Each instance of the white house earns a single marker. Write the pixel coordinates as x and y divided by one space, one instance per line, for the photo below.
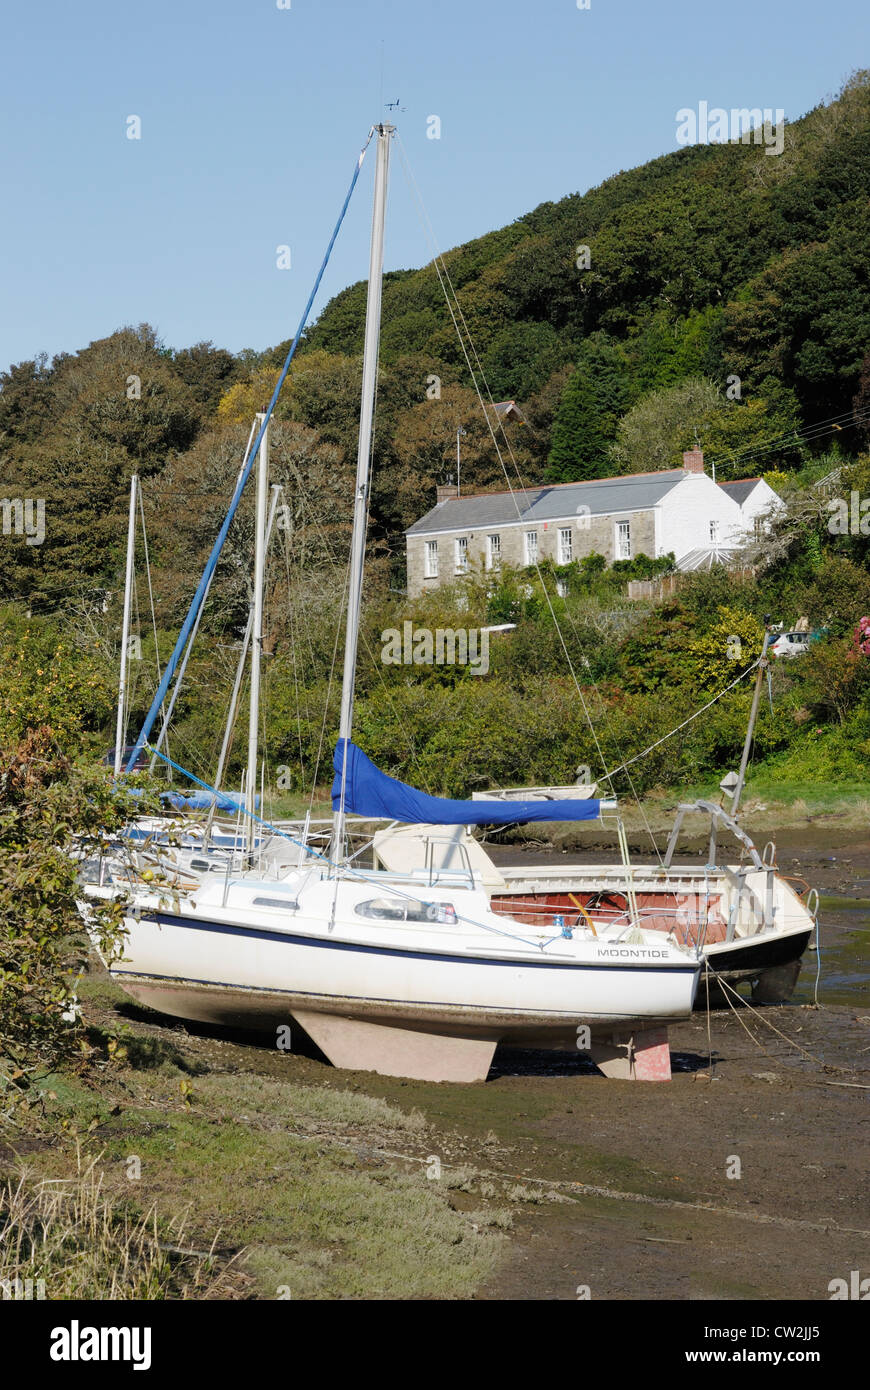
755 498
679 509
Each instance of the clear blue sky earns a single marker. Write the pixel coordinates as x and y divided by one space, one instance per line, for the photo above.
252 117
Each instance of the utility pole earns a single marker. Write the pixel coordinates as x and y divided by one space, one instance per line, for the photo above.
460 431
763 664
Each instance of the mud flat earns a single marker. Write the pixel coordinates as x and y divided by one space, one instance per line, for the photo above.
652 1211
744 1177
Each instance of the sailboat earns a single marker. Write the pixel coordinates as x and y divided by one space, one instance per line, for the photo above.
414 971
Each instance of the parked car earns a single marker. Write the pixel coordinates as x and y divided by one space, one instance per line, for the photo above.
796 643
791 644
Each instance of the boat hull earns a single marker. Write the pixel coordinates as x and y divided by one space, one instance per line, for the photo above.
696 909
422 1004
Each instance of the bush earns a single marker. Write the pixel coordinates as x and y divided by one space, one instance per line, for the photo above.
45 803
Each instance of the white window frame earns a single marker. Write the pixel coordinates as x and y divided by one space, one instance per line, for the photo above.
715 531
430 560
493 551
622 540
460 547
531 547
565 549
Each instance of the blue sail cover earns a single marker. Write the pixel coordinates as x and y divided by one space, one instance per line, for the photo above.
370 792
203 801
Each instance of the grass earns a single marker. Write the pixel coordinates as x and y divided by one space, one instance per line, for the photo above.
69 1239
284 1189
768 804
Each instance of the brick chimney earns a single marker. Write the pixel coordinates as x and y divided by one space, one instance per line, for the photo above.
444 491
693 461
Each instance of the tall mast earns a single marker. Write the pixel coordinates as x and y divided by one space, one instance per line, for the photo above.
257 634
366 422
125 629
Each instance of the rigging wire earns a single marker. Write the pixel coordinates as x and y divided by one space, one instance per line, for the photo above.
443 274
817 430
198 598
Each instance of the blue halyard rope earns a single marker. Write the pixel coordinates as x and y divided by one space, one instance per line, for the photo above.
240 485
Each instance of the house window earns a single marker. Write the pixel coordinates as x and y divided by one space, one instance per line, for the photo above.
566 546
531 547
714 532
623 540
430 560
493 552
461 554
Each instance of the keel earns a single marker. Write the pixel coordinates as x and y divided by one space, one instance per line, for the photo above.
640 1056
356 1045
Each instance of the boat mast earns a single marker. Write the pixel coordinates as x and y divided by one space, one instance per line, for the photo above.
366 421
257 635
125 628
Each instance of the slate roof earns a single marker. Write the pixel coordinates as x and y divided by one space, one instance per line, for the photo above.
602 496
740 489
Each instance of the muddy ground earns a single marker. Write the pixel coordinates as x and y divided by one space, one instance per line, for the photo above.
745 1176
790 1105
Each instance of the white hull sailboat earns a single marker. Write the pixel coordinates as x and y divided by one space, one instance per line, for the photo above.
415 973
384 980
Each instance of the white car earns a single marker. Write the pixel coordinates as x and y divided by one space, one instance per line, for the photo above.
791 644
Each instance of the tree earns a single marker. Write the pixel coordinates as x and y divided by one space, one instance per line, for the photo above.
585 426
655 431
25 401
208 372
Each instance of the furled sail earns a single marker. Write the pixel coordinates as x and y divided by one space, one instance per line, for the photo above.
203 801
370 792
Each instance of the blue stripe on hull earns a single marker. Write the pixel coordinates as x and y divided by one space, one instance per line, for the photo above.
166 919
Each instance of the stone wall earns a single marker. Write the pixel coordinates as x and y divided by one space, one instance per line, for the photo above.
594 533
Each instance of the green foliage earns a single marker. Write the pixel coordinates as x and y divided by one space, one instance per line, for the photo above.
592 403
45 804
654 433
726 649
47 681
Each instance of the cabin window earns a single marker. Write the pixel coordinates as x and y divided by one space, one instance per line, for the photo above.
430 560
566 545
531 547
461 554
493 552
623 540
405 910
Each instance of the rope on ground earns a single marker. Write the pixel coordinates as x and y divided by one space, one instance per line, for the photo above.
728 989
